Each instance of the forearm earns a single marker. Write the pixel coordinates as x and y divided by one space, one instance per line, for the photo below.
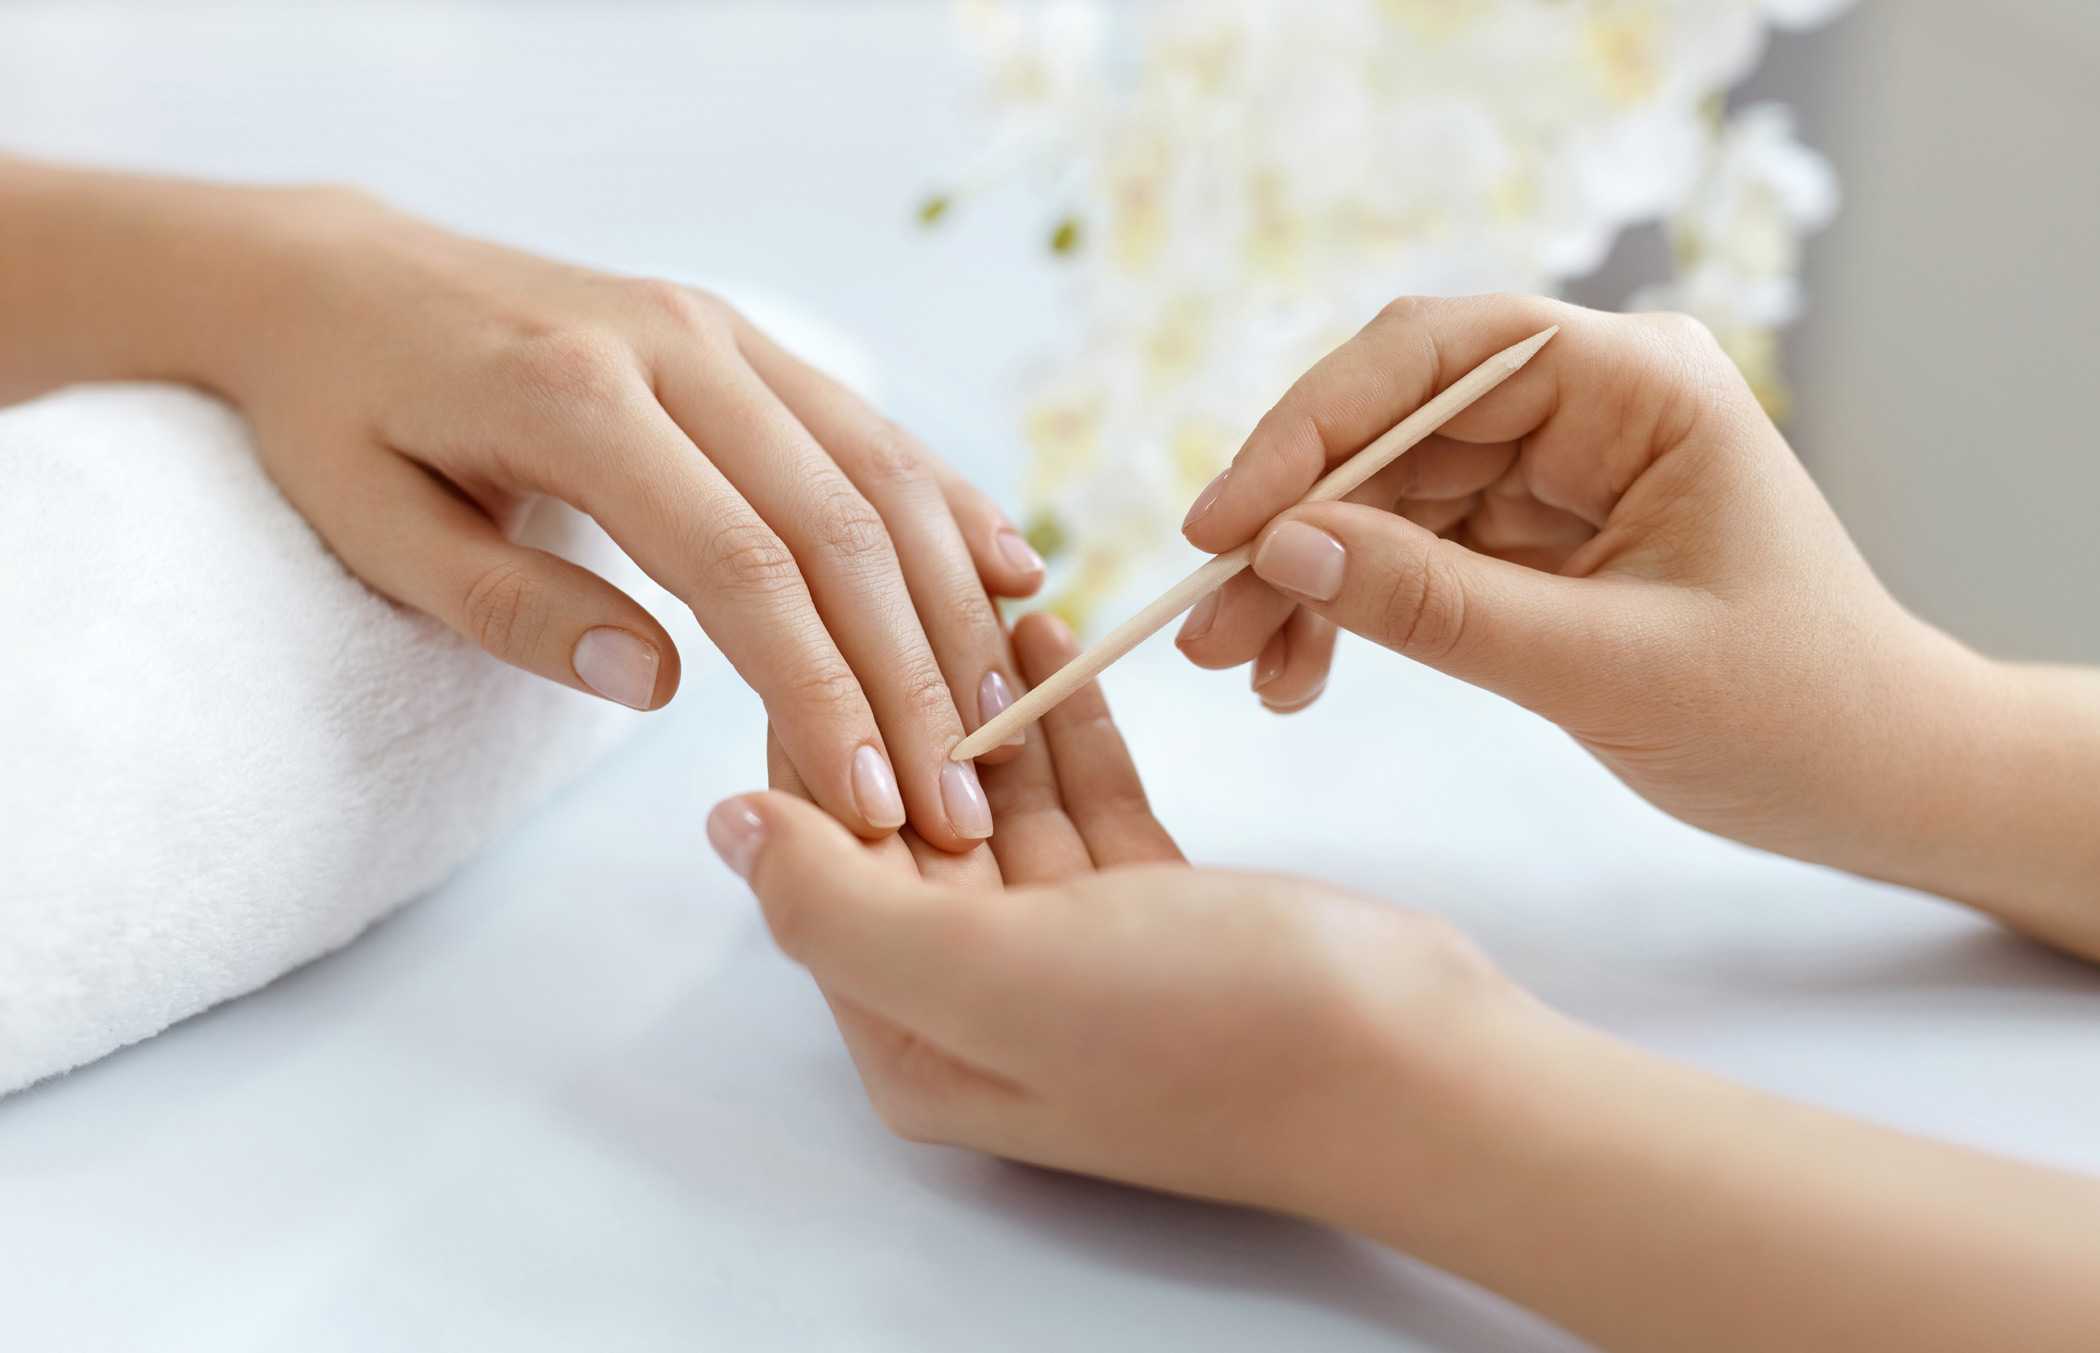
114 277
1647 1206
1991 796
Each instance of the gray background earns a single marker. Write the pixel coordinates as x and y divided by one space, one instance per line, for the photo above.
1946 372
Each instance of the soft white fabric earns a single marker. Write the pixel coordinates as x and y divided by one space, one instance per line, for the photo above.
221 755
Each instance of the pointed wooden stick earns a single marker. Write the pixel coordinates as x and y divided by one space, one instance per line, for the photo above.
1339 482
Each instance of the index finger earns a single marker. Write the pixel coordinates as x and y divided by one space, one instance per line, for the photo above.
1356 393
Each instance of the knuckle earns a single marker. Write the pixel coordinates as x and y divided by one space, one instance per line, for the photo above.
746 559
899 1107
505 612
1424 610
690 311
1682 331
848 528
893 456
826 684
569 367
1402 312
925 691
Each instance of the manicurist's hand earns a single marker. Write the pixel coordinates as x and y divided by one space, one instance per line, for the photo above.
1620 540
414 390
1072 995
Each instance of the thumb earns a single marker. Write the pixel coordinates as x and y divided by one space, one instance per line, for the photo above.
1559 646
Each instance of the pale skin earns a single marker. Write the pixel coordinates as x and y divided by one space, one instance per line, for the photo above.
1615 540
413 392
1662 579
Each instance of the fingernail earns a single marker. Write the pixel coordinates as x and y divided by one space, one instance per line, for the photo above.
1300 703
1302 559
1206 500
1199 622
1018 554
736 833
963 797
992 698
875 789
1270 664
617 665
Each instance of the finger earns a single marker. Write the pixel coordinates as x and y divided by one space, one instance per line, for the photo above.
1439 516
1095 776
1292 672
415 539
869 935
1234 624
612 450
1440 468
901 480
1556 645
1036 841
1356 393
1510 521
842 549
1006 561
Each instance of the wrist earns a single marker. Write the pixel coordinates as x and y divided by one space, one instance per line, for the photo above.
109 276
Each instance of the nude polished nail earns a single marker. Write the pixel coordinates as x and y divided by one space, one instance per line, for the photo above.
736 833
1302 559
617 665
1206 500
992 699
1200 620
968 811
875 789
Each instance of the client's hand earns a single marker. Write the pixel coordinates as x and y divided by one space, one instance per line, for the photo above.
417 389
413 390
1074 996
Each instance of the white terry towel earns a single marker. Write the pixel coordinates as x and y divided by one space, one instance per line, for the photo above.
221 755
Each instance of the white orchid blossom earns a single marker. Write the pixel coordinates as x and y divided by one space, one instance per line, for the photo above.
1240 183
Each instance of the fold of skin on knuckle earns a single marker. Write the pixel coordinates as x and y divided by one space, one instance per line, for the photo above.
570 373
690 313
506 612
925 694
849 532
890 458
1422 607
746 561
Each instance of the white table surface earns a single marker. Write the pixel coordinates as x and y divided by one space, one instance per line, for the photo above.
575 1100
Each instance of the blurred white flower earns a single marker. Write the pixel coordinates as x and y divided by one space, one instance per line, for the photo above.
1241 183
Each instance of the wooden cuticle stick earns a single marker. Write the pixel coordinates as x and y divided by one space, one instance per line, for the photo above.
1339 482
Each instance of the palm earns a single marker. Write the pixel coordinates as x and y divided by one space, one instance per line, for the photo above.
1071 803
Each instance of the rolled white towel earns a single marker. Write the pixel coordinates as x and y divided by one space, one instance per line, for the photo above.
221 755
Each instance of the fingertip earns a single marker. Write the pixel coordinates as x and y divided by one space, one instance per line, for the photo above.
737 831
1020 570
1044 643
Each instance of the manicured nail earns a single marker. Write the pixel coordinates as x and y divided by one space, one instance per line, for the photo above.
1199 622
1270 664
875 789
1019 556
1302 559
617 665
736 833
1206 500
1295 705
992 698
963 797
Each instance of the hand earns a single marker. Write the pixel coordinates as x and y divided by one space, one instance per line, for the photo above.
1617 539
413 391
1073 996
